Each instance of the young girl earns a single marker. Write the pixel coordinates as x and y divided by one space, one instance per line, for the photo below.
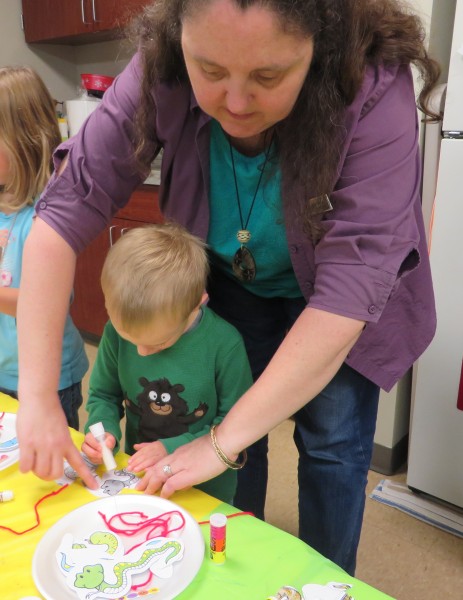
28 135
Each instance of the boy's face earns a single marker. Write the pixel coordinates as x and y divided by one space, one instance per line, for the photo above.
157 335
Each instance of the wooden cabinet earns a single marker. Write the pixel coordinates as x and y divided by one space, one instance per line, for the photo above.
77 21
88 308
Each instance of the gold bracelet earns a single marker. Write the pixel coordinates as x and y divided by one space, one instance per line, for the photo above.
231 464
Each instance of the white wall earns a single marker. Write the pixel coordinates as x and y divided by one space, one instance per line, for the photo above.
438 16
55 64
104 58
59 65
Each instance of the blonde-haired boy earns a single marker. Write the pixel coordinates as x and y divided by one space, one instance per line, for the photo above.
173 364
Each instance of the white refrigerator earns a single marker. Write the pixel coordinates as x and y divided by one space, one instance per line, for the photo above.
436 439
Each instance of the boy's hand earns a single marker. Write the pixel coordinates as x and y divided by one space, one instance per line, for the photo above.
146 456
91 447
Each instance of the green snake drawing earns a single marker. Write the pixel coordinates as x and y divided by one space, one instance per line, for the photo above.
92 576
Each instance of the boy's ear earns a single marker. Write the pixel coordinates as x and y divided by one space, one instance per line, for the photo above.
204 298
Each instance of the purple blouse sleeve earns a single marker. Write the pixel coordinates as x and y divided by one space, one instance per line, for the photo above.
101 172
372 235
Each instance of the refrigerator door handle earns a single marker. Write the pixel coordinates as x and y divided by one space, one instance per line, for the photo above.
460 390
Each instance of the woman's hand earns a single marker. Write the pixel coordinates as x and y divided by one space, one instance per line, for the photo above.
92 449
44 440
190 464
146 456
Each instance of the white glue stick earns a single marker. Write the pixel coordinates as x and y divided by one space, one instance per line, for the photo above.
99 434
6 496
218 529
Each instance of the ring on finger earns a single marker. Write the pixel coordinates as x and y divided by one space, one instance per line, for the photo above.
167 470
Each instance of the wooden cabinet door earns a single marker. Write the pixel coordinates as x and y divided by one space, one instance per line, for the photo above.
88 309
54 19
77 21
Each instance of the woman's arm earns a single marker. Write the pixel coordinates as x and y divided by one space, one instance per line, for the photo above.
305 363
8 300
46 283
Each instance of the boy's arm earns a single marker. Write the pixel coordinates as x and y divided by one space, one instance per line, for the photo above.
233 379
105 400
9 300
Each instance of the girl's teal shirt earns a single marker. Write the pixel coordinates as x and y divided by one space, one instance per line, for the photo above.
14 229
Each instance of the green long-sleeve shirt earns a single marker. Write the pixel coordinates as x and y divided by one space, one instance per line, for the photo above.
174 395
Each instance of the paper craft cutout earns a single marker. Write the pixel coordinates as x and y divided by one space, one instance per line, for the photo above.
9 447
70 474
98 567
8 439
109 484
330 591
112 482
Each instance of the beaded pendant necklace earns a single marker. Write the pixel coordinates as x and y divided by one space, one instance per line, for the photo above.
243 263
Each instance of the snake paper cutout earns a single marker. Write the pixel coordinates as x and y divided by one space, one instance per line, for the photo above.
100 569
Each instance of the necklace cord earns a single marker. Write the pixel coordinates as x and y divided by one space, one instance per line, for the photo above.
267 154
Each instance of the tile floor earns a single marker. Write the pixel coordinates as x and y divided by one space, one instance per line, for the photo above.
399 555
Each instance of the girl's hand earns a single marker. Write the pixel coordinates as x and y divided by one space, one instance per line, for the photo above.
146 455
45 442
92 449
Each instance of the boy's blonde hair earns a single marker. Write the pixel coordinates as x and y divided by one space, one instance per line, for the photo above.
29 133
154 271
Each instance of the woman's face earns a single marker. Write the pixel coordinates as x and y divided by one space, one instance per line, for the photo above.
246 72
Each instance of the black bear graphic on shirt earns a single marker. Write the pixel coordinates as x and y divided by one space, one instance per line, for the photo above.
163 412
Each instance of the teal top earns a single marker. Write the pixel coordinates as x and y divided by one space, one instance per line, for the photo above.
175 395
14 229
268 244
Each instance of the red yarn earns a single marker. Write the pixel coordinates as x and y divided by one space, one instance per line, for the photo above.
36 510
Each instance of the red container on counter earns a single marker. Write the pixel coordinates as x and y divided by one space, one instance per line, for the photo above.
96 84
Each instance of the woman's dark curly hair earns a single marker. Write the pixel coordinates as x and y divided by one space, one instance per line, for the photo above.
347 34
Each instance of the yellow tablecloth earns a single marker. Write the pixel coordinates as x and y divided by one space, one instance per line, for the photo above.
260 557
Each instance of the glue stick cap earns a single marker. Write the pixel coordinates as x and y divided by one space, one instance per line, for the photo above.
98 430
7 495
218 520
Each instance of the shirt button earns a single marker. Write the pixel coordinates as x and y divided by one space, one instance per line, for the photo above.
43 204
372 309
293 249
309 284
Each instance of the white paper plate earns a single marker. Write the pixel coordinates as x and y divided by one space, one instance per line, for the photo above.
8 443
85 519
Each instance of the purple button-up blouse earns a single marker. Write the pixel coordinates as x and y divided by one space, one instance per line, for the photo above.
371 263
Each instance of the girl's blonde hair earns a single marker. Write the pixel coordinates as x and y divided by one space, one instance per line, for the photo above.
29 133
152 272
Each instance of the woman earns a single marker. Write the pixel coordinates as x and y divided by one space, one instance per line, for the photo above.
289 132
